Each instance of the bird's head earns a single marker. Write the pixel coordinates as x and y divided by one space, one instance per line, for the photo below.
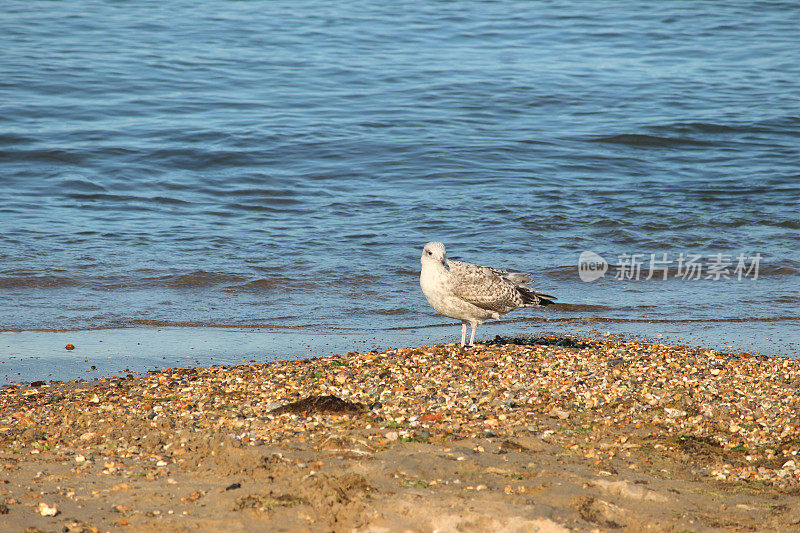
434 252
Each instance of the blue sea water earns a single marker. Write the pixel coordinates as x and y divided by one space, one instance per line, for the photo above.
256 179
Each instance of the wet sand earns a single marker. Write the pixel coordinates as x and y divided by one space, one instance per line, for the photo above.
552 434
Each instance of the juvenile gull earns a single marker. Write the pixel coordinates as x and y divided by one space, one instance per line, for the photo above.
473 293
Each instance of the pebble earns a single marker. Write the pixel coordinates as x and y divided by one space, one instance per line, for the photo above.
47 510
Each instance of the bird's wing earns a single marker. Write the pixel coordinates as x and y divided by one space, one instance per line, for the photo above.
483 287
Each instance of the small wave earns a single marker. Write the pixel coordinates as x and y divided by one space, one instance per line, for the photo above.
100 196
262 208
772 125
347 278
43 156
166 200
281 283
272 196
108 197
735 223
406 272
36 282
200 278
198 159
635 139
398 311
784 300
81 185
15 139
701 127
564 272
786 268
261 284
788 224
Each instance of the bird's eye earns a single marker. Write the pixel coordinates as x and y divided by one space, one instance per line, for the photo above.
429 252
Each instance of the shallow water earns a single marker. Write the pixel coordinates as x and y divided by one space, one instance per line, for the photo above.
275 166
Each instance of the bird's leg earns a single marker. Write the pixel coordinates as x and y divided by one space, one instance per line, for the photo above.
472 336
463 333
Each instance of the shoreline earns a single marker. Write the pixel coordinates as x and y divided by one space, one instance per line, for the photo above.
40 355
564 434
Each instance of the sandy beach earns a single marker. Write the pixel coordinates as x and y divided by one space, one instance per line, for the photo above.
548 434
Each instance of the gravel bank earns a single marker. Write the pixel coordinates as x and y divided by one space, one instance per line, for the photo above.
546 434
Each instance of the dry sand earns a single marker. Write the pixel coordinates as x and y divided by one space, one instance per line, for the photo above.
544 435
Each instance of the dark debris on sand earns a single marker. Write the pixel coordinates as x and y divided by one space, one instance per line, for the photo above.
564 342
326 404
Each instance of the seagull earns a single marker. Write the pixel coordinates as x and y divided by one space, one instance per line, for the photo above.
473 293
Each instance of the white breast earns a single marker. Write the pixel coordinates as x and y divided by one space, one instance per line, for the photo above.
434 280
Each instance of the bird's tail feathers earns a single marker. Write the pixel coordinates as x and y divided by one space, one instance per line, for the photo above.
531 298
